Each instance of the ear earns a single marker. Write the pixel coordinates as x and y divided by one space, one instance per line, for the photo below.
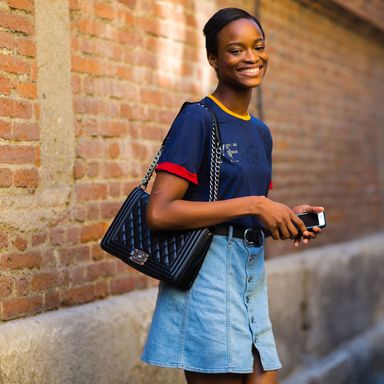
212 59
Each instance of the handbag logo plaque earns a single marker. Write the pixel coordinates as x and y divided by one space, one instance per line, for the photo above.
138 256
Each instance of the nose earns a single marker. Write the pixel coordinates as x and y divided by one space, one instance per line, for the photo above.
251 56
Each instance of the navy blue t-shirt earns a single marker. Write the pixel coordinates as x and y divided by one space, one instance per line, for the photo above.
245 160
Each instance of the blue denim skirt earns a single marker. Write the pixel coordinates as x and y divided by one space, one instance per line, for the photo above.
214 326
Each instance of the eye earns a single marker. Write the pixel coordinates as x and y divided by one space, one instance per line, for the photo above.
235 51
260 48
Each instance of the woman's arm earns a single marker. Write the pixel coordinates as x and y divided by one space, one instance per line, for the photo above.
167 210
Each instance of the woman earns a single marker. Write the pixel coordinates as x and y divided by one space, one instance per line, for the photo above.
219 330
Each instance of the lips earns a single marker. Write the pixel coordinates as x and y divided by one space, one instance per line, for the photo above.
250 71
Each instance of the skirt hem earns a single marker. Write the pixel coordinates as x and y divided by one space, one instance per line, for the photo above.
205 370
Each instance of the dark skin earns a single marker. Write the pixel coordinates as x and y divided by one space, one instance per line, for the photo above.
240 63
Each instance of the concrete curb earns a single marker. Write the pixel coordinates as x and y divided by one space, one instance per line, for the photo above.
324 297
92 343
351 363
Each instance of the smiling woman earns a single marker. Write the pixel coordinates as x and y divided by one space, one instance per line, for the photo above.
241 58
219 330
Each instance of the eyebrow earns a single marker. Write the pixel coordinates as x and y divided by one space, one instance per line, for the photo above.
240 43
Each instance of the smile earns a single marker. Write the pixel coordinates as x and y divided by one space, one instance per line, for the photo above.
250 71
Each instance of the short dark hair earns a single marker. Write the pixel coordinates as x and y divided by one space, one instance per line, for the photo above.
219 20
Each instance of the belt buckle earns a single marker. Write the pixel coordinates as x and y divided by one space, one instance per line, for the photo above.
260 239
249 242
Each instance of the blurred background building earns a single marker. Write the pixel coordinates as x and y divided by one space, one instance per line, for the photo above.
88 89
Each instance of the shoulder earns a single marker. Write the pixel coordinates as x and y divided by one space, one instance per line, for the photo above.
193 122
195 112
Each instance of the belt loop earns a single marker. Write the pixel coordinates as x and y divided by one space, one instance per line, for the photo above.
230 234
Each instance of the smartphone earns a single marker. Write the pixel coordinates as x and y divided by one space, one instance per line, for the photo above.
311 220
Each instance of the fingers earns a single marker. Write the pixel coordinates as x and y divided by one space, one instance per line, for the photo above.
311 209
301 239
287 229
304 208
275 234
299 224
307 236
283 223
284 232
293 229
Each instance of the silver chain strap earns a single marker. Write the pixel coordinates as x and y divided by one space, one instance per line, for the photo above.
151 168
214 171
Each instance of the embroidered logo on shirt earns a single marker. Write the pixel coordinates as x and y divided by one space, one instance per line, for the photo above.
235 152
231 150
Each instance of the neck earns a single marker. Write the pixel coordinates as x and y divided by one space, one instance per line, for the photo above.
237 100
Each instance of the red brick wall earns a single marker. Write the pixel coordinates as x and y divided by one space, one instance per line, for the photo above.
323 82
133 63
370 10
19 150
19 111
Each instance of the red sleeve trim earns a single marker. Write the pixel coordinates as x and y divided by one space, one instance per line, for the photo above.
271 185
177 170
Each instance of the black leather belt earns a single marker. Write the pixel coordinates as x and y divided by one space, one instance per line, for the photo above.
250 236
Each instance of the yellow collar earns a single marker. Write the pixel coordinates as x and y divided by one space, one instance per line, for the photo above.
225 109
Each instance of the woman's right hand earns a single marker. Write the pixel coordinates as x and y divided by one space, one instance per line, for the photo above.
279 219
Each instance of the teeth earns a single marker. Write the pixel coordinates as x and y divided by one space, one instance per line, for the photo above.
250 70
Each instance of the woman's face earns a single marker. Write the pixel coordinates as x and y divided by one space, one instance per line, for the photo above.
241 59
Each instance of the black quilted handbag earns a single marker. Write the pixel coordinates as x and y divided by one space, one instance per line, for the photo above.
174 257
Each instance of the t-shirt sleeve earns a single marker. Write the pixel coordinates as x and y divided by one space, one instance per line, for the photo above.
188 139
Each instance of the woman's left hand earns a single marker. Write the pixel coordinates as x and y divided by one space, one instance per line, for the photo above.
307 235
